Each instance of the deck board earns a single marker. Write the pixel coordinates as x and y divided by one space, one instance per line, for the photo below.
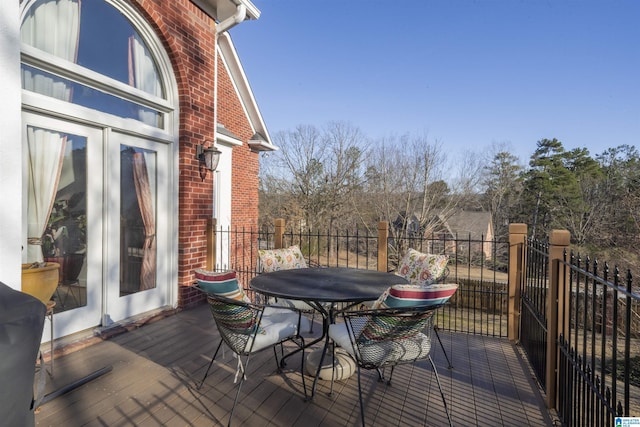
157 367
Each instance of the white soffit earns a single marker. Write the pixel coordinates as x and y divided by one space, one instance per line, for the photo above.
223 9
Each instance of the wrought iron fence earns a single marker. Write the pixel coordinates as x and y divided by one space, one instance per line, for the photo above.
478 265
580 329
533 321
579 325
599 344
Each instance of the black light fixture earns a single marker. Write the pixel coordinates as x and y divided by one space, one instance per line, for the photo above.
208 158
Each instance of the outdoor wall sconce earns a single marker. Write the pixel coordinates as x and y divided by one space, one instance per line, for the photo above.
208 159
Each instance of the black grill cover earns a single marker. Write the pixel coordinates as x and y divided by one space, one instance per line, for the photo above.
21 324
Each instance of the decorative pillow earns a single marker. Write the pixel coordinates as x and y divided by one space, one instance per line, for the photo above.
220 283
281 259
399 296
422 268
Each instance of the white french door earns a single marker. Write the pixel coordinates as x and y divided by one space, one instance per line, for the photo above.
137 260
110 223
73 235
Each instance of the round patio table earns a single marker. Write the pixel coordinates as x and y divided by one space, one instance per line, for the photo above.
322 288
325 284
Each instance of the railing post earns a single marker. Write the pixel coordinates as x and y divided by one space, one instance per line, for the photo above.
278 237
558 243
517 239
211 243
383 236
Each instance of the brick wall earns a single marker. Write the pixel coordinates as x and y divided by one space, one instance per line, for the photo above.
188 35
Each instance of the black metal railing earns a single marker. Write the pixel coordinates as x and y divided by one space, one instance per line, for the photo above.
533 322
599 343
477 265
579 325
580 329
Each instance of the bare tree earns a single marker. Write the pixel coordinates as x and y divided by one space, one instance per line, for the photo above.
319 170
405 185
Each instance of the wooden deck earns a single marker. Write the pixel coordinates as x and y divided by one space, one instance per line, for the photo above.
153 372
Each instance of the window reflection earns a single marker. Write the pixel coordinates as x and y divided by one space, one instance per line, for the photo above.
65 237
39 81
95 35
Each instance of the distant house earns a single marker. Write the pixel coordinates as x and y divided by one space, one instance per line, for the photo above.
474 227
464 232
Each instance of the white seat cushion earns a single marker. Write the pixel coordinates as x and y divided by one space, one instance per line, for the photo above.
291 303
277 324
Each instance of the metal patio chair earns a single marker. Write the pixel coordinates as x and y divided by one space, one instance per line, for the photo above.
248 328
382 338
422 268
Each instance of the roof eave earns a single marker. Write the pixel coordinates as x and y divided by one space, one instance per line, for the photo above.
223 9
232 62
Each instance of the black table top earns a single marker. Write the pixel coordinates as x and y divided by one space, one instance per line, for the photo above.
331 284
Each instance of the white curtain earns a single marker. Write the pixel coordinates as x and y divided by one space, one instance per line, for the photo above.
52 26
143 75
45 157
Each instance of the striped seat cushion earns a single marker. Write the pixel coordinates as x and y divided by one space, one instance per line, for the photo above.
399 296
220 283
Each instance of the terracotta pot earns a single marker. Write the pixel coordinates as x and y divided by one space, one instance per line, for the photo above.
70 266
40 282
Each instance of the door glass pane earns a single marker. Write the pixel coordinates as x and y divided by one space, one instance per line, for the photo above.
65 238
137 219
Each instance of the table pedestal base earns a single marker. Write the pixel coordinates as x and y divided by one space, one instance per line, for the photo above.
343 368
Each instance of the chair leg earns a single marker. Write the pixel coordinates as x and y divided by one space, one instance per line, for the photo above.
242 375
281 363
210 364
435 329
391 375
444 401
360 396
304 384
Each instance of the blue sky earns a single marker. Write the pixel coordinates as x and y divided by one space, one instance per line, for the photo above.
467 73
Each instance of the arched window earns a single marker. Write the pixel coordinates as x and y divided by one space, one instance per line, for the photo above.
89 53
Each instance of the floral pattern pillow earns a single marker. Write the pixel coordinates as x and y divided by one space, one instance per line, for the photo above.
281 259
422 268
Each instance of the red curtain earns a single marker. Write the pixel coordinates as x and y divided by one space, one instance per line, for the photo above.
145 202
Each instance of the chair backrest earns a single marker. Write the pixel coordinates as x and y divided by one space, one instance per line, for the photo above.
421 268
394 325
237 321
391 336
281 259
